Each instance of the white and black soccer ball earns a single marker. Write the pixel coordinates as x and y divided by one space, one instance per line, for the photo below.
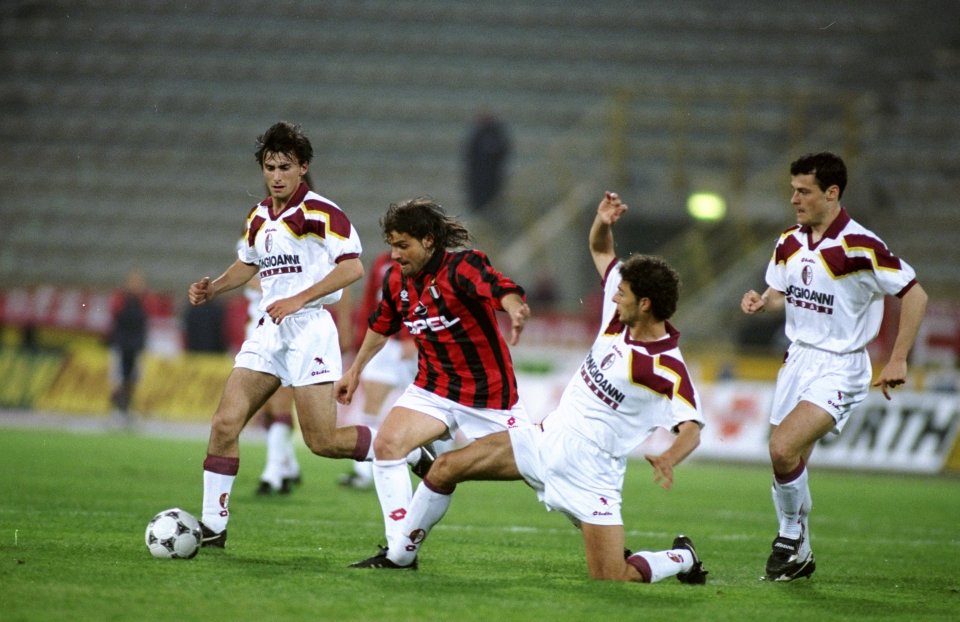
173 534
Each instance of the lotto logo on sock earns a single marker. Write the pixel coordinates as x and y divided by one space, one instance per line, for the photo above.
399 514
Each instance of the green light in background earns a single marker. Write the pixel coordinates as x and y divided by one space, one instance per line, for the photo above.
706 206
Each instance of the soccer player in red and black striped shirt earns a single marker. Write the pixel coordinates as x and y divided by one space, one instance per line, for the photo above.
447 300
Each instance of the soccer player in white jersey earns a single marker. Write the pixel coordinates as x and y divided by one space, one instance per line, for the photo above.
831 275
632 382
305 251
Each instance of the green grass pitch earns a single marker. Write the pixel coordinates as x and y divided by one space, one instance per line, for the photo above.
74 505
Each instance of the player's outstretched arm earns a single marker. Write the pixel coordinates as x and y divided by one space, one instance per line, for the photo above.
206 290
609 211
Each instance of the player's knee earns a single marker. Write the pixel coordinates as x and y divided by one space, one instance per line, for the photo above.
444 472
385 447
224 428
783 456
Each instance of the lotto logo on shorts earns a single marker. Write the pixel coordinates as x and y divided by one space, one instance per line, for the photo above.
322 367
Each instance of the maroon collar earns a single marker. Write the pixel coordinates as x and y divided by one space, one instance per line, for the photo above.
295 199
833 231
660 345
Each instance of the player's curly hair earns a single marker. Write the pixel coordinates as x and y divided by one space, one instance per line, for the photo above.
286 138
652 277
422 217
828 169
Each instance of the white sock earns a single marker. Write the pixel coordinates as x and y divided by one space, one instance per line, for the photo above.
426 510
278 442
665 564
776 503
790 497
395 492
291 466
805 523
216 499
373 436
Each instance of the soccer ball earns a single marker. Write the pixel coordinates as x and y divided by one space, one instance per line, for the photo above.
173 534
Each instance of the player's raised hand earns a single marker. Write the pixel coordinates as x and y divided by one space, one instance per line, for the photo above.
200 291
611 208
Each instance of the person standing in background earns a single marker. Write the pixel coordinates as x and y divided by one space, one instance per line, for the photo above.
128 338
485 152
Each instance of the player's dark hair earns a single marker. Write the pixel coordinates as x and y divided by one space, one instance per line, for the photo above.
422 217
652 277
287 139
828 169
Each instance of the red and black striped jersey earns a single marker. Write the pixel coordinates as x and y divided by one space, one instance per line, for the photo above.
449 308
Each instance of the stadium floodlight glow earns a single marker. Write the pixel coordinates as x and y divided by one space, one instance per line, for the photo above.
706 206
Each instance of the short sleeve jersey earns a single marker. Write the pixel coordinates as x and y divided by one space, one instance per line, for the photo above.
299 247
449 309
626 389
834 288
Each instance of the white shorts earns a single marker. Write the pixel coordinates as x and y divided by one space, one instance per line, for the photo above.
389 366
474 423
570 474
301 350
837 383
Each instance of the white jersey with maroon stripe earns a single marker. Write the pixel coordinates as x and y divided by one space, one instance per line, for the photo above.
834 289
298 248
625 389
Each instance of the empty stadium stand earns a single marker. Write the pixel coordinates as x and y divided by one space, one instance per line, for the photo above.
128 127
